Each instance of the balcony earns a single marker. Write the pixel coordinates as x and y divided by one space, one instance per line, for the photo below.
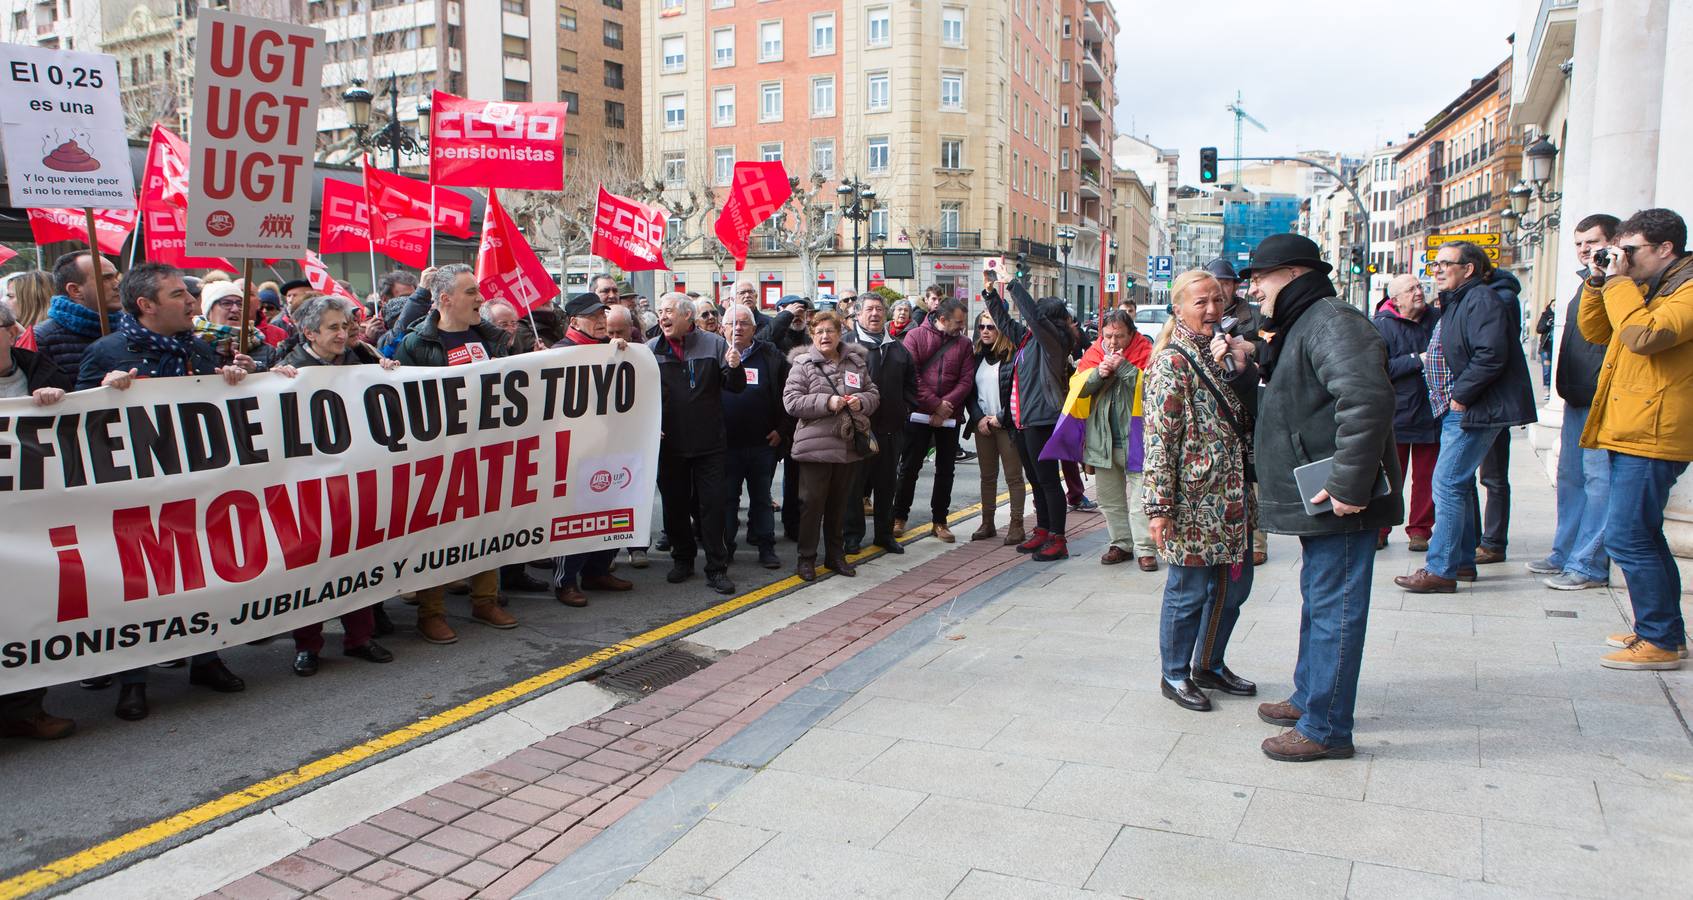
1036 250
1091 110
1091 29
1090 148
1092 69
1463 209
955 240
1090 187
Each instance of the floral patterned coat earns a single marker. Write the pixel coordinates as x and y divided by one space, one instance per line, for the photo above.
1196 464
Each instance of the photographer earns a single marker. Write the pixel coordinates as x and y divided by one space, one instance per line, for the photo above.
1638 302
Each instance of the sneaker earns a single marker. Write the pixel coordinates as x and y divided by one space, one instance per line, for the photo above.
1544 567
1641 655
637 559
1055 548
1569 581
720 583
679 572
1084 505
1623 640
767 558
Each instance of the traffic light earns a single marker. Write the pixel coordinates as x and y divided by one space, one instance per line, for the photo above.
1371 268
1207 165
1022 267
1357 261
1129 281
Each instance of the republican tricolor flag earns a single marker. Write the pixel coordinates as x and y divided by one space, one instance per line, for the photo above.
1069 436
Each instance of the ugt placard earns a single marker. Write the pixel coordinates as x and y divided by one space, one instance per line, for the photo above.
62 121
256 88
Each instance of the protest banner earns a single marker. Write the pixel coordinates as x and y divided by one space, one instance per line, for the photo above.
399 228
256 89
164 230
63 129
628 233
184 515
344 221
757 191
111 226
506 266
496 143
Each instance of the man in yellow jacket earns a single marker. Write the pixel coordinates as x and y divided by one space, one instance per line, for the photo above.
1639 304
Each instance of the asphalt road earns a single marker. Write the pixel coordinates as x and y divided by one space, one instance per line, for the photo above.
113 776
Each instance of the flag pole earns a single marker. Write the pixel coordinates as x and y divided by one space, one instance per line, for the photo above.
432 223
97 265
246 323
135 239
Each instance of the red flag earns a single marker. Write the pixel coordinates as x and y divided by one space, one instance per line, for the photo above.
165 235
345 220
111 226
165 180
628 234
6 255
452 212
759 189
398 228
506 266
317 275
494 143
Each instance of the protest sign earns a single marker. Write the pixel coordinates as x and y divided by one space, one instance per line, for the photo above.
758 190
344 222
495 143
256 89
111 226
628 233
63 129
506 266
185 515
164 229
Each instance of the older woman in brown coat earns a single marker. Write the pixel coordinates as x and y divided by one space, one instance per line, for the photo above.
830 393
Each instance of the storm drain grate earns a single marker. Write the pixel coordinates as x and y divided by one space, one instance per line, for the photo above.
652 671
1560 614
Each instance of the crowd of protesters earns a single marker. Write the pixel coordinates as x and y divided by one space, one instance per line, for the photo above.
1199 443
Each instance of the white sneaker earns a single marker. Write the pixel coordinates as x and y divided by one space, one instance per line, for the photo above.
1569 581
1544 567
637 559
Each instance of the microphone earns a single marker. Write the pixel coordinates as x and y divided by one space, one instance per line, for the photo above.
1228 324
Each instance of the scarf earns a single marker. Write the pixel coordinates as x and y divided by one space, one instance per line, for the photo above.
79 319
216 334
173 350
580 337
1199 346
1069 435
1297 297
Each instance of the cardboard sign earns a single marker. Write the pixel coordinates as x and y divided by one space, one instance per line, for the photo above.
62 124
495 143
628 233
256 88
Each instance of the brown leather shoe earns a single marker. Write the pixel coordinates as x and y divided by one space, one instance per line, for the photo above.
435 630
806 569
1283 713
1416 544
40 727
1014 535
1148 563
943 533
984 532
1114 555
1259 557
1467 576
571 595
493 616
899 528
1423 581
841 567
1291 746
606 583
1486 556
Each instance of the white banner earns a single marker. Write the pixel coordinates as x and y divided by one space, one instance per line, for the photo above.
184 515
63 125
256 89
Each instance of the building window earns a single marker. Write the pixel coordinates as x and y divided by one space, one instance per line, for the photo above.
566 20
876 96
822 34
613 36
571 102
515 91
877 157
723 166
770 41
952 26
613 74
770 152
952 153
613 114
614 4
511 45
675 112
672 7
566 62
1067 27
722 4
823 157
723 47
1063 204
879 224
1063 165
770 102
1063 122
723 106
675 54
823 95
1063 75
952 215
675 168
952 91
879 28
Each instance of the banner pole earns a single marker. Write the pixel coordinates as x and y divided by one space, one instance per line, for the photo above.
97 265
135 240
432 224
373 268
246 322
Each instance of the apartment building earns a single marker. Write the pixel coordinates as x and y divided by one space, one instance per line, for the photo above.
599 78
1087 128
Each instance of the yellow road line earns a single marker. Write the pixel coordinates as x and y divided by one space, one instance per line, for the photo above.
164 829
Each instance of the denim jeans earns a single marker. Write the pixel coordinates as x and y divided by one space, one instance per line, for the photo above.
756 468
1584 484
1634 535
1199 615
1334 580
1456 526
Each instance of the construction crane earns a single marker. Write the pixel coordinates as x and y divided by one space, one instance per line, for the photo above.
1241 115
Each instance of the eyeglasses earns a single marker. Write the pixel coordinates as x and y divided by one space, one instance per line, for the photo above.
1447 263
227 303
1628 249
708 315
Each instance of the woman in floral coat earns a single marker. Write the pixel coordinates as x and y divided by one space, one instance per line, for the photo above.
1198 497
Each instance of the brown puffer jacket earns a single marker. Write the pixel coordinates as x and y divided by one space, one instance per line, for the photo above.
821 435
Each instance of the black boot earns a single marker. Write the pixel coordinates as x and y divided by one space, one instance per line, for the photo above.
384 625
132 702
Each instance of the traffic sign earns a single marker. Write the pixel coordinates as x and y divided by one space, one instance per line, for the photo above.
1480 239
1492 253
1165 268
1111 282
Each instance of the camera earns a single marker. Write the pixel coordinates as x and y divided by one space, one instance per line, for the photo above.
1603 257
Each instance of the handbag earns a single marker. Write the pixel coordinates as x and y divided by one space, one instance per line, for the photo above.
863 442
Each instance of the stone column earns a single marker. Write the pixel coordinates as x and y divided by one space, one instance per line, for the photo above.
1675 191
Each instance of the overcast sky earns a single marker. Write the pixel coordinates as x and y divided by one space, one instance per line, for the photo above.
1322 74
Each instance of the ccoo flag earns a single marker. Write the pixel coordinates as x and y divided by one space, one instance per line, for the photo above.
759 189
505 265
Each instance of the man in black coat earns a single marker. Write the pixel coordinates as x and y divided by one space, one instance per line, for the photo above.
1493 523
895 377
759 428
1327 397
1405 321
1478 382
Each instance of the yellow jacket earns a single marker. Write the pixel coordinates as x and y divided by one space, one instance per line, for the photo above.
1644 402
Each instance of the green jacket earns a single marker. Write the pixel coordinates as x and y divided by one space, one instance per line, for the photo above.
1113 398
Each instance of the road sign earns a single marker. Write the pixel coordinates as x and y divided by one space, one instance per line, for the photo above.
1111 282
1480 239
1492 253
1165 268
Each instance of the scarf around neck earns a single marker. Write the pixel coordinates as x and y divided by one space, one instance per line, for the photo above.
79 319
173 350
1299 295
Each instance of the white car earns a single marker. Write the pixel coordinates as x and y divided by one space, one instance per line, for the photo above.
1149 320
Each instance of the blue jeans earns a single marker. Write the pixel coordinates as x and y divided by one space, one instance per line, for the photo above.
1201 606
755 467
1456 525
1634 535
1584 485
1334 580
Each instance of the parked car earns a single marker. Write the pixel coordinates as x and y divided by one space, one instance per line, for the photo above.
1149 320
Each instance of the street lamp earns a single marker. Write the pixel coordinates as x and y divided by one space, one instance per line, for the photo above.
1067 241
393 136
858 201
1537 161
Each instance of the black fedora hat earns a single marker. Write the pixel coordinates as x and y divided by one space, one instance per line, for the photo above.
1286 250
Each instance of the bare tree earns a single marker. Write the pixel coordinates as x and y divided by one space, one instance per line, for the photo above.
562 222
805 226
147 105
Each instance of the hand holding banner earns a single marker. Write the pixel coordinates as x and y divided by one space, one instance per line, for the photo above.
496 144
506 266
758 191
629 234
